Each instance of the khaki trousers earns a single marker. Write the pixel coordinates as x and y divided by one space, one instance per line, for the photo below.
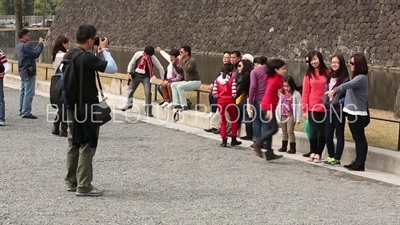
287 124
79 161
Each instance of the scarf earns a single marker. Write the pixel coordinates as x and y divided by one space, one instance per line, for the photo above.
145 63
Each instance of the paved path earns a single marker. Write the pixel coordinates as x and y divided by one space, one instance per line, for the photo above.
154 175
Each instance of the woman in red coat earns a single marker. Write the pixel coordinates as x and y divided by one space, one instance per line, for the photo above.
276 70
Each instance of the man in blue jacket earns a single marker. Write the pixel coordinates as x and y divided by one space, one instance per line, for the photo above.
27 69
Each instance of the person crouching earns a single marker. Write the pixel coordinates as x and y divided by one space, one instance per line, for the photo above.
224 90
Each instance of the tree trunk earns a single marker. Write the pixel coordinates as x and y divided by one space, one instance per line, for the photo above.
18 21
397 104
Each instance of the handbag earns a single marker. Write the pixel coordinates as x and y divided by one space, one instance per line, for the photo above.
101 112
30 70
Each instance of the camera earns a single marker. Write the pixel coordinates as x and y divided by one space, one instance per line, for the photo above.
97 40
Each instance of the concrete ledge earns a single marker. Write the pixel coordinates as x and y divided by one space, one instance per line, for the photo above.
378 159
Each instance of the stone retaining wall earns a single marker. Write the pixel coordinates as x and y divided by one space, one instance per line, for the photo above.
9 35
275 28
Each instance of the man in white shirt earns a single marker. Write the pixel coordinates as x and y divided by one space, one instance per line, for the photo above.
140 70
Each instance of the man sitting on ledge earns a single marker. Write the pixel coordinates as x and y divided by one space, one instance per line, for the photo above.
142 64
191 79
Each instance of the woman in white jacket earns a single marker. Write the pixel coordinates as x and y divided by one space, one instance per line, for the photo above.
288 113
61 47
4 68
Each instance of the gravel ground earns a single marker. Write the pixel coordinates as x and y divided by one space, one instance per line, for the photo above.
185 179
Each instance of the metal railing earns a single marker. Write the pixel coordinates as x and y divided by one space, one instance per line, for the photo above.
198 93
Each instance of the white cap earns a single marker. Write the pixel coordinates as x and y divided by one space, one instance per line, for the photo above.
248 57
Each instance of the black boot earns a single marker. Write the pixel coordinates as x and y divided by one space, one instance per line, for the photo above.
64 128
224 142
148 110
249 133
235 142
270 155
284 146
56 130
292 149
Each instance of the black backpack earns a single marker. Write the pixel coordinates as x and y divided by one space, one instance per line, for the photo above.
63 84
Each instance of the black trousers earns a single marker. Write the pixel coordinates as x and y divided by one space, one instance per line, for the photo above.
61 118
317 126
357 129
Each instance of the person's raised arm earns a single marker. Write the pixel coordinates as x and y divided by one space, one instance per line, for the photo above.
33 52
158 65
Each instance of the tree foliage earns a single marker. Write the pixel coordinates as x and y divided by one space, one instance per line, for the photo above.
46 7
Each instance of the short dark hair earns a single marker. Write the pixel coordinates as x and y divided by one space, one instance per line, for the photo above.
260 60
237 53
174 52
23 32
227 52
84 33
149 50
360 64
187 49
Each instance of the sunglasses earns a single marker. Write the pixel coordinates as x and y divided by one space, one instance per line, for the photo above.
351 63
239 66
306 61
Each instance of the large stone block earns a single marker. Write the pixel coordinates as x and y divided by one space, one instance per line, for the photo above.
215 26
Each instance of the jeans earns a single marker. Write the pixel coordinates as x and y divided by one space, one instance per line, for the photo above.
159 89
213 103
335 123
179 91
2 102
133 85
260 125
272 130
357 129
317 126
27 92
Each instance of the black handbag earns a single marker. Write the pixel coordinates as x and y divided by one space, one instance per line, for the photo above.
101 112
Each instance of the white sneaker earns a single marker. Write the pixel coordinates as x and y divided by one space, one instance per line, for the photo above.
2 123
211 115
170 105
164 104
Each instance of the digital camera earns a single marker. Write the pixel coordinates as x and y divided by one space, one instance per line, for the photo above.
97 40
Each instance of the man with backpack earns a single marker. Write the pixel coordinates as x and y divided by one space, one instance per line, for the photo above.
81 66
140 70
26 55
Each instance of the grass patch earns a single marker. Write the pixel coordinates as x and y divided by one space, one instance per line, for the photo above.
379 133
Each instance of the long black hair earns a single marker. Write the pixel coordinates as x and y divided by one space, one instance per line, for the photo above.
342 72
322 67
247 67
291 82
272 65
58 46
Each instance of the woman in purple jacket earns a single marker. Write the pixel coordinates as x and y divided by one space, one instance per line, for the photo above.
256 93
